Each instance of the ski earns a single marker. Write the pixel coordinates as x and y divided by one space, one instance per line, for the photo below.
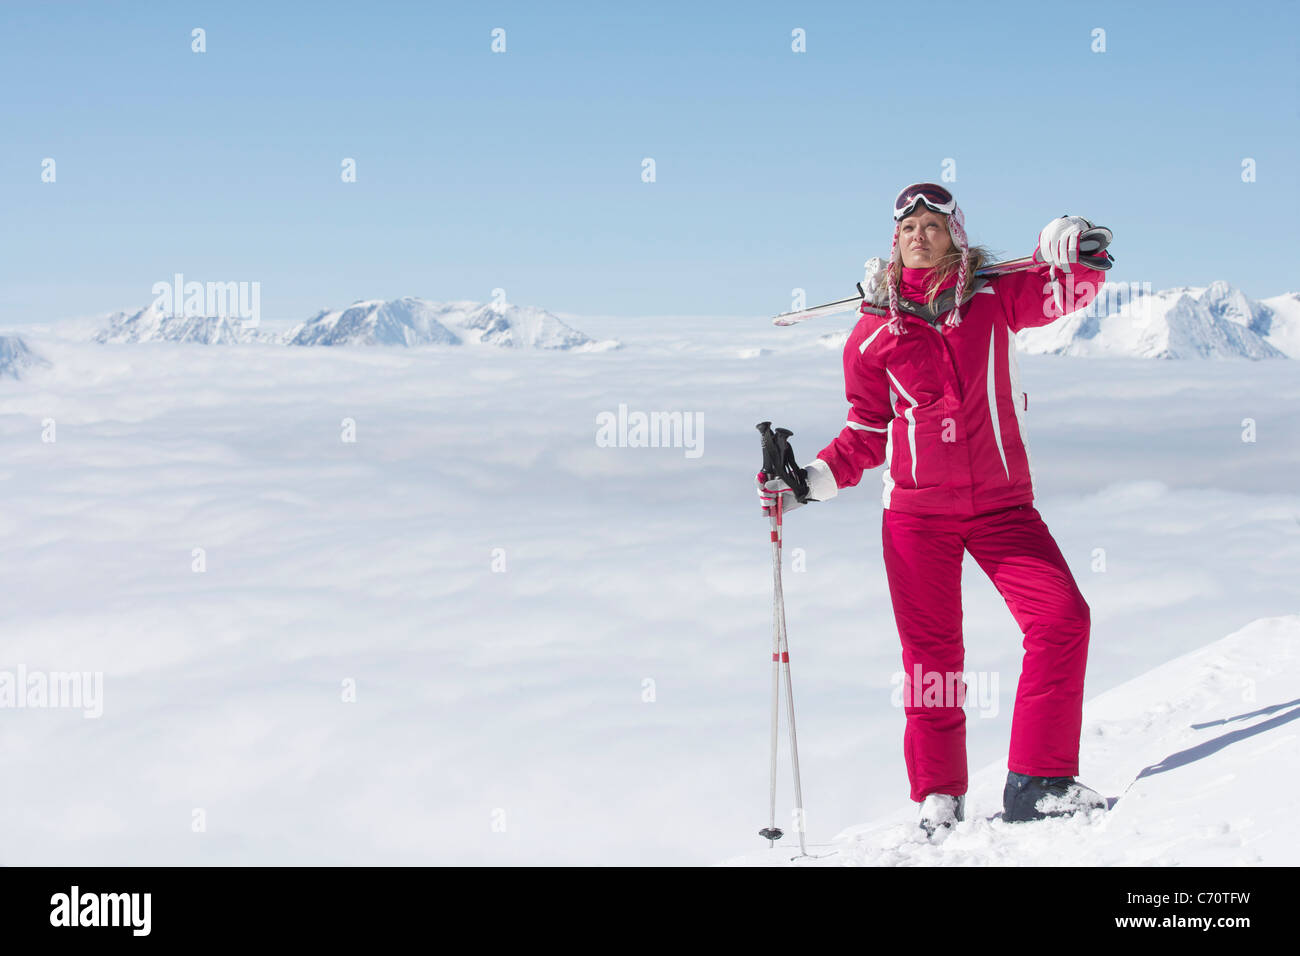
1092 253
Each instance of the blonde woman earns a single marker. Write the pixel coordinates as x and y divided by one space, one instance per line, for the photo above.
934 395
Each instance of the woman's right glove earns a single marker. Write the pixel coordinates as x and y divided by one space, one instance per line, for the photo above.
873 285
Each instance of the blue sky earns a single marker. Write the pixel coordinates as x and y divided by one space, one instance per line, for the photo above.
522 170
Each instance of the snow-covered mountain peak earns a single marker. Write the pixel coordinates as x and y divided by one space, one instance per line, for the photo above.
1228 302
16 357
375 322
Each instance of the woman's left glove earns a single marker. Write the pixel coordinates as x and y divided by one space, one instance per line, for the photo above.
770 489
1058 243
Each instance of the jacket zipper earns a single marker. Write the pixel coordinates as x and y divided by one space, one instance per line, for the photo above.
947 351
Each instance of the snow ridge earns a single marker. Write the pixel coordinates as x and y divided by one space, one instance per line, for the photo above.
151 324
413 321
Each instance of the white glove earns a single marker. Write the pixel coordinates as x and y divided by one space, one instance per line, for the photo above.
773 488
1058 243
874 281
821 487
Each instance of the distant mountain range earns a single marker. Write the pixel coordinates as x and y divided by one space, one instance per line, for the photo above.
395 322
152 325
412 321
1218 321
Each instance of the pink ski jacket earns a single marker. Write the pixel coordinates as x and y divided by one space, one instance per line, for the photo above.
941 407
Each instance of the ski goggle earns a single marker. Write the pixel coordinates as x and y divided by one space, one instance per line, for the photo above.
935 197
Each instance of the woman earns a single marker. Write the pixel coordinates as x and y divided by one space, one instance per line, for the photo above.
934 394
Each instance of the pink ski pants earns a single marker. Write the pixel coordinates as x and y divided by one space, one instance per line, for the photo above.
923 559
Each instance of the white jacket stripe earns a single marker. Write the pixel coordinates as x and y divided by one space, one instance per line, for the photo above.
1017 401
887 474
867 340
911 421
993 400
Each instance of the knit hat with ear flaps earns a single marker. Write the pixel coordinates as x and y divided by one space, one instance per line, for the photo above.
956 229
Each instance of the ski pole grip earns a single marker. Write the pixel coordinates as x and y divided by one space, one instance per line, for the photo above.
778 459
790 469
771 458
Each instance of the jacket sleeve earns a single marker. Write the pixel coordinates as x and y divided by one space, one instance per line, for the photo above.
860 444
1030 299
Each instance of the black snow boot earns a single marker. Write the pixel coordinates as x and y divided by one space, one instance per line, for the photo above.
1035 798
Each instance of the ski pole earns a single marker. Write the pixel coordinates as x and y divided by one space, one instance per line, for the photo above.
773 833
789 690
778 461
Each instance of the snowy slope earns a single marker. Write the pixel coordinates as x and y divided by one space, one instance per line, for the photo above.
1218 321
412 321
1198 758
150 324
16 357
